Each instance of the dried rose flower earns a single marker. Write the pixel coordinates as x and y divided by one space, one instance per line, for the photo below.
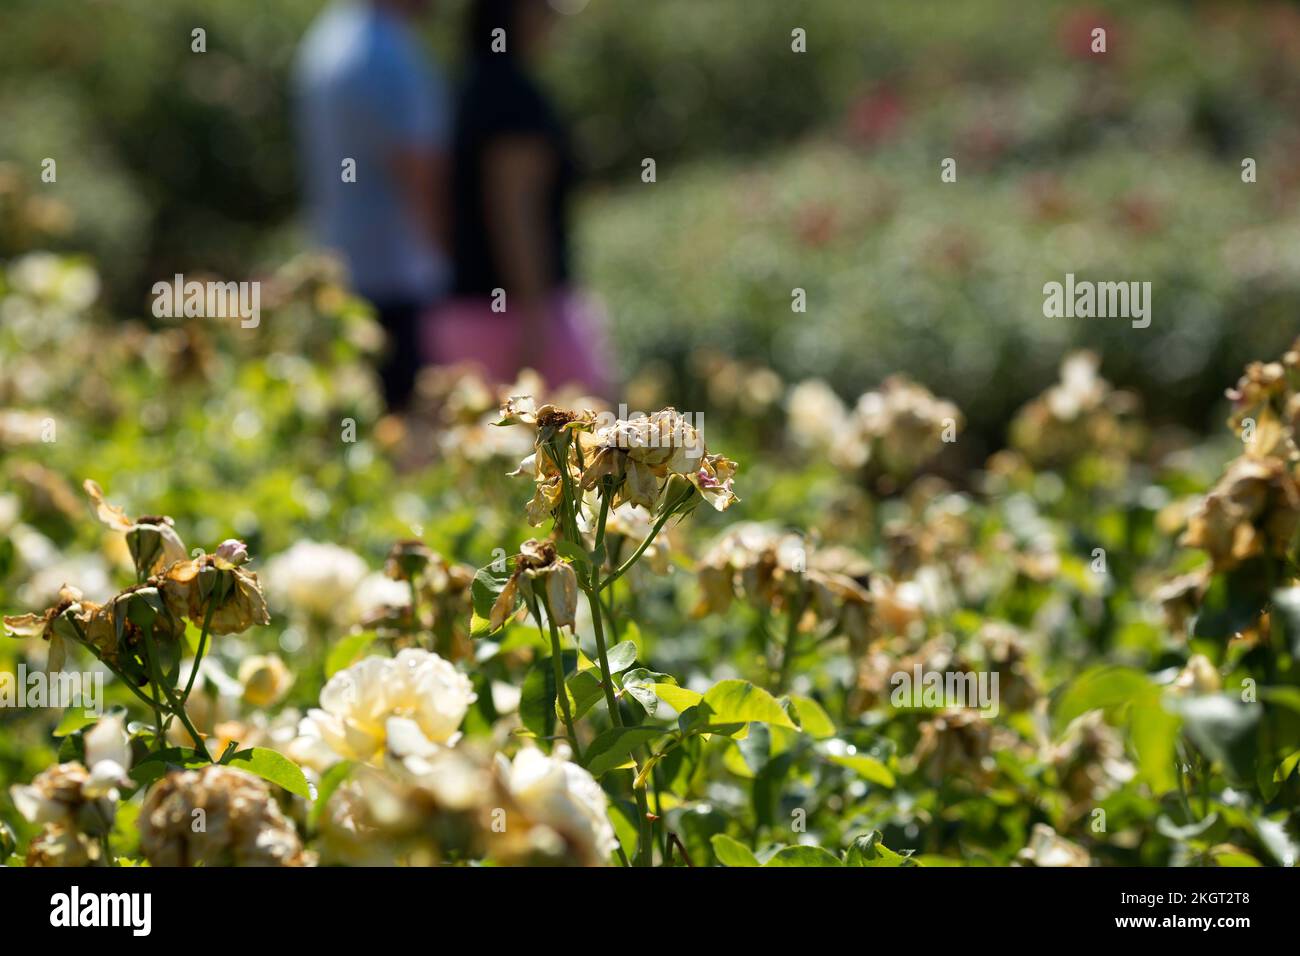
1254 510
210 582
538 561
242 823
152 540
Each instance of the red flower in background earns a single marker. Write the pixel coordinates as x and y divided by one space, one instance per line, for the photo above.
1049 200
1139 214
1075 34
816 223
876 116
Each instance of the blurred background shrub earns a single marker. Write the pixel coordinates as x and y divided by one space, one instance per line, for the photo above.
776 170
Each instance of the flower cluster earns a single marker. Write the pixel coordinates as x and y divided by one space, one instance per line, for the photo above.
893 430
1080 416
632 458
75 803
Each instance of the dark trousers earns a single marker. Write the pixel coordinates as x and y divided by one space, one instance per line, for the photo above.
401 361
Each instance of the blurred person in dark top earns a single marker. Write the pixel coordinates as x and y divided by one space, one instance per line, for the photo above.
514 173
368 97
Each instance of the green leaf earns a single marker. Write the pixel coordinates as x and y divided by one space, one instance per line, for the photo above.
731 852
739 701
621 656
72 748
156 765
679 699
870 850
1288 697
348 651
331 781
1224 730
1286 767
273 766
622 814
866 767
1153 731
74 719
537 701
1099 688
804 856
487 586
640 685
575 554
612 748
813 720
584 691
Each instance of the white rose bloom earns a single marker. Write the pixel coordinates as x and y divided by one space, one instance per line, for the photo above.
559 794
408 706
320 579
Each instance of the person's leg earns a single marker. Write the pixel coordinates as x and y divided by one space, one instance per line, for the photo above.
401 360
466 330
576 349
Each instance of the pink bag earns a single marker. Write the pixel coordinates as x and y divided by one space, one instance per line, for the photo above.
572 350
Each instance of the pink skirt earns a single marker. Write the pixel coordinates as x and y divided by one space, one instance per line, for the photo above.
572 350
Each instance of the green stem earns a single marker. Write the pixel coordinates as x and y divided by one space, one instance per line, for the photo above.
557 663
670 508
558 449
640 550
659 808
645 849
176 708
151 661
198 655
598 547
590 588
415 610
